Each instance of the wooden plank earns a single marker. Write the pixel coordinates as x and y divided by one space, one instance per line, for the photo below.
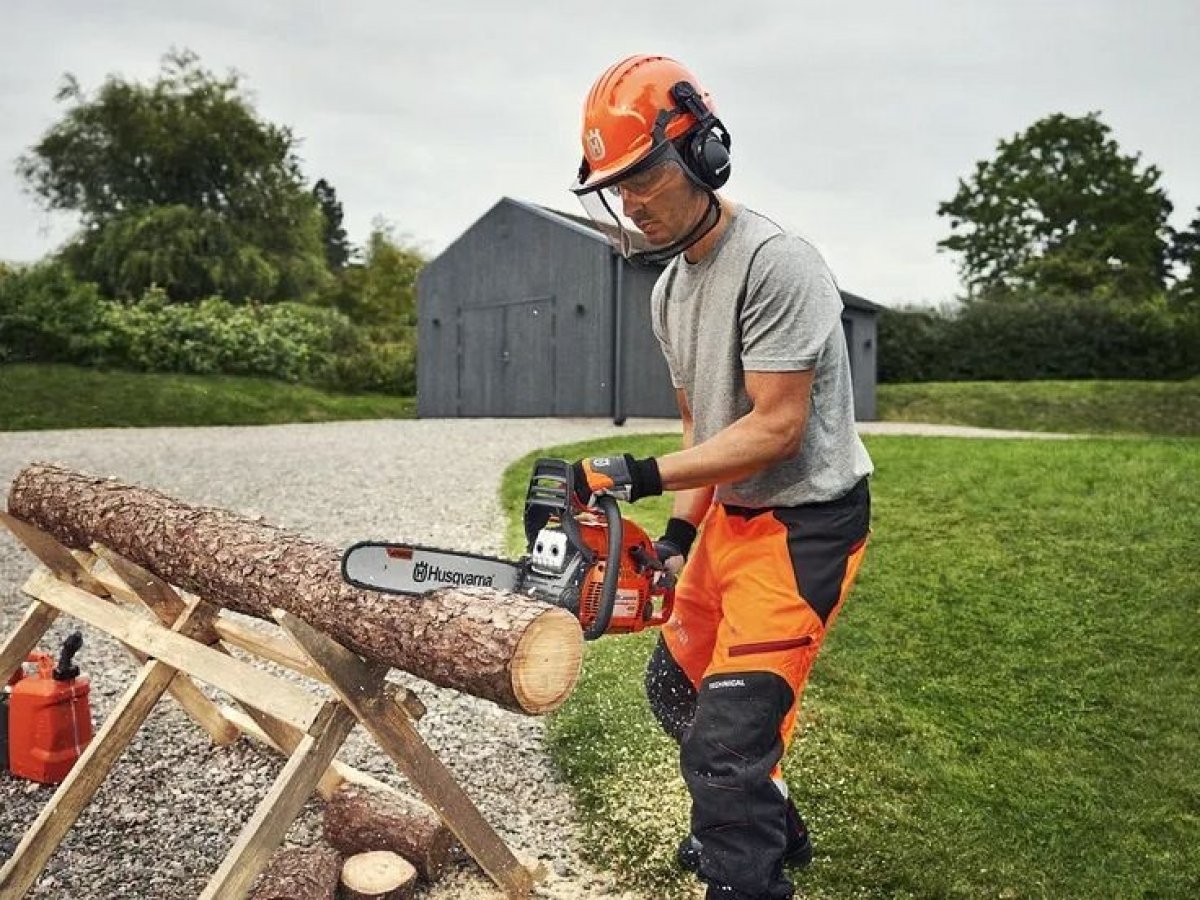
338 773
127 581
396 736
239 679
202 710
266 829
285 741
24 638
147 589
151 590
53 555
90 770
273 647
283 651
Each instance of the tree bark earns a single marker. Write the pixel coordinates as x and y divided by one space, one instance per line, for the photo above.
300 873
378 875
358 821
520 653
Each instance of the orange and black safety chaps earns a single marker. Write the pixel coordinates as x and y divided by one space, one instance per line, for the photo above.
759 593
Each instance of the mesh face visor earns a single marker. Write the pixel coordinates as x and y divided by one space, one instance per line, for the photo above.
630 208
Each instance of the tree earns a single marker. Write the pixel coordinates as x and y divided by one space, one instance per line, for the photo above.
381 291
337 245
187 150
1185 252
1060 209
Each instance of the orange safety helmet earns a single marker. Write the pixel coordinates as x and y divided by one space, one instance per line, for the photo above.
649 113
639 104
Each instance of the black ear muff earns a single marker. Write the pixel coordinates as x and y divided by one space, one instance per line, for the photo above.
706 149
709 157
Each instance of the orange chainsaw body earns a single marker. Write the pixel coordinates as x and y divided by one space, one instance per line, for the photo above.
638 604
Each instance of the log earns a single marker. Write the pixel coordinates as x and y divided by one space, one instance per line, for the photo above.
378 875
520 653
358 820
300 873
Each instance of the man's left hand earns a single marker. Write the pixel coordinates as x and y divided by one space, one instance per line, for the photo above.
621 476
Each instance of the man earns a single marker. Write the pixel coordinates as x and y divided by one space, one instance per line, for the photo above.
772 471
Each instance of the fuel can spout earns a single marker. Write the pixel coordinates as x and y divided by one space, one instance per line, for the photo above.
65 670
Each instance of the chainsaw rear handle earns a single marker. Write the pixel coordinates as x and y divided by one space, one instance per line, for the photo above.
612 568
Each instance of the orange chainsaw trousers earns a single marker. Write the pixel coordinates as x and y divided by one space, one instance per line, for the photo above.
760 591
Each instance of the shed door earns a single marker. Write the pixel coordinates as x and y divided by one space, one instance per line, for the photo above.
507 360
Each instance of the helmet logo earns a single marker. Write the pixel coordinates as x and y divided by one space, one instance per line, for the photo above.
595 144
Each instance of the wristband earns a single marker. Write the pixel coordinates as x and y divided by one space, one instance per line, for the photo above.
644 477
681 534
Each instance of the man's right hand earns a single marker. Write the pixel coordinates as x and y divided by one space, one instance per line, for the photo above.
673 547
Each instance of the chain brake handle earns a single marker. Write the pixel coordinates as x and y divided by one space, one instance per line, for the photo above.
551 494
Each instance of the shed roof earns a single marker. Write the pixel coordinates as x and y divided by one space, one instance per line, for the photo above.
584 225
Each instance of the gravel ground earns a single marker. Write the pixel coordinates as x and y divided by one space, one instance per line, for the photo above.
174 804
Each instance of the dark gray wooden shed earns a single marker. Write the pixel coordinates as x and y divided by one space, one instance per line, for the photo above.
531 313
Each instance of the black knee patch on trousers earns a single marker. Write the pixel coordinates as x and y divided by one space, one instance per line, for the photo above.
670 692
738 814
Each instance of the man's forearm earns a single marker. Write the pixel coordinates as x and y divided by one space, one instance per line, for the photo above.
691 504
749 445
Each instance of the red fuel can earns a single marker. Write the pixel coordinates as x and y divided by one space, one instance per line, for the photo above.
49 717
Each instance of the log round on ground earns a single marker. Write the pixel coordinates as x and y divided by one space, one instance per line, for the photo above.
357 820
378 875
520 653
300 873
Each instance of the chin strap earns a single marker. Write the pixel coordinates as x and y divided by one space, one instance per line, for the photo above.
707 222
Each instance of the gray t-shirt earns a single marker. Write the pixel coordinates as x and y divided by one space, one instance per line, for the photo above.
763 301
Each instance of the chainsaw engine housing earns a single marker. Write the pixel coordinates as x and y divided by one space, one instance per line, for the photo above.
559 574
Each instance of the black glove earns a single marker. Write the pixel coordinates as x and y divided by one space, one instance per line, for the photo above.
622 477
676 541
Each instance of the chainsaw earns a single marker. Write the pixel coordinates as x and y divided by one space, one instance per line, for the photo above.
587 560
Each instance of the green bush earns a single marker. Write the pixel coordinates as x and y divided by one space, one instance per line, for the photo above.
48 316
1028 337
288 341
378 366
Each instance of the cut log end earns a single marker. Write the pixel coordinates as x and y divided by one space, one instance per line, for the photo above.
378 875
359 820
547 661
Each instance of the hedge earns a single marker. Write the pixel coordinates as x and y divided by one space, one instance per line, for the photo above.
47 316
1023 338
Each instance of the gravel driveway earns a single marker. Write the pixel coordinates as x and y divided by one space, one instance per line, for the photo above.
173 805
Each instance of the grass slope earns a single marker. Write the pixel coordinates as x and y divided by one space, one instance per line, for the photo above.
1006 708
1095 407
37 396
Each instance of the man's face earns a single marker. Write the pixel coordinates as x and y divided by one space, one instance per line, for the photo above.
662 201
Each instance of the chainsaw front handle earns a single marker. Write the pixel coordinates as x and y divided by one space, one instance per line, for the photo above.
612 568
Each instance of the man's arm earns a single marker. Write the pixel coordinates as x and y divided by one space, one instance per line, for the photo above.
690 503
771 432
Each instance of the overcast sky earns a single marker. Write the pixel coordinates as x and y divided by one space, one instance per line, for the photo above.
850 121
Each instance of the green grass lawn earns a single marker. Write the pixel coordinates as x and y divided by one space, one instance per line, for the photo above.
1008 707
38 396
1096 407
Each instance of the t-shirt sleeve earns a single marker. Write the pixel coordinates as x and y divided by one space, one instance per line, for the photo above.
792 305
657 299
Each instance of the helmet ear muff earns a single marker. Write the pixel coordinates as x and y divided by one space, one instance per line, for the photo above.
706 150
